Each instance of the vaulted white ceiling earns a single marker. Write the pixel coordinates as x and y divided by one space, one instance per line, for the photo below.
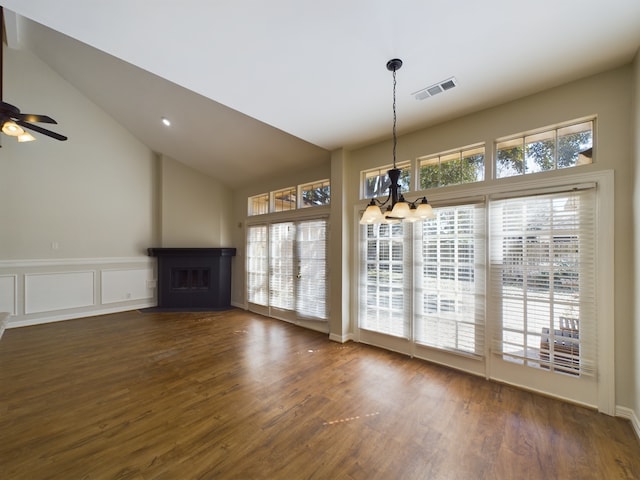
254 87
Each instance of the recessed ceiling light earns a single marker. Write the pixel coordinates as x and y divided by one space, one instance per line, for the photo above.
166 121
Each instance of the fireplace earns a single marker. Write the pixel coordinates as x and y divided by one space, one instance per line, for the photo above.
194 278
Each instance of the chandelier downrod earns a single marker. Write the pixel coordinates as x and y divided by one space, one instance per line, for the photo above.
393 66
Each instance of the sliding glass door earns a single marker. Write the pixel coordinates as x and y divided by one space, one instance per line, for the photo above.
311 274
287 269
543 293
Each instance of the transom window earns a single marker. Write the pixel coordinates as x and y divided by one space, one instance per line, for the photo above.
376 182
564 147
259 204
284 200
553 148
452 168
315 194
312 194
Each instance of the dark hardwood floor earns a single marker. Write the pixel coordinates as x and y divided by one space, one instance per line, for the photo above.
233 395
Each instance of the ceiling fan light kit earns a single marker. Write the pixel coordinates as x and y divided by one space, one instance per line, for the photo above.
398 209
11 129
26 137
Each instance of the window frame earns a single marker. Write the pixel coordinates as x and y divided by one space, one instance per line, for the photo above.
295 192
252 201
300 310
280 195
469 325
381 172
451 156
522 141
533 263
399 251
605 304
315 186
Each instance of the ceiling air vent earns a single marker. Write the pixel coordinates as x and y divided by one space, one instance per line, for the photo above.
435 89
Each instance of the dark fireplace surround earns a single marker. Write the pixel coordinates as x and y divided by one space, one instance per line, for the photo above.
194 278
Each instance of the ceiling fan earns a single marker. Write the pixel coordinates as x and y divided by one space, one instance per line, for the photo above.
12 121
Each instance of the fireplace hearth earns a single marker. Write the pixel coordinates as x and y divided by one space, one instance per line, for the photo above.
194 278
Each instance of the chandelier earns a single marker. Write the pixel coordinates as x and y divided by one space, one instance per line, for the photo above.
397 208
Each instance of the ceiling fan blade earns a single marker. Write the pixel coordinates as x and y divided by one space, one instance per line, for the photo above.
14 112
41 130
31 117
9 109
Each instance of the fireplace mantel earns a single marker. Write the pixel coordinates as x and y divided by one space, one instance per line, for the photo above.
192 251
194 277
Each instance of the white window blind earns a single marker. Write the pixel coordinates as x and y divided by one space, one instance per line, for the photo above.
281 265
311 245
287 267
258 265
543 279
449 270
382 279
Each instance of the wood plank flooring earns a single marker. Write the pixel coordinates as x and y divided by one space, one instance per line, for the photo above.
233 395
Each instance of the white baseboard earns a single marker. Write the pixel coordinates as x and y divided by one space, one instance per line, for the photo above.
341 338
4 321
39 320
629 414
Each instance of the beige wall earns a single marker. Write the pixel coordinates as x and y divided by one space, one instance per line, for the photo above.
606 95
100 194
91 196
194 208
634 338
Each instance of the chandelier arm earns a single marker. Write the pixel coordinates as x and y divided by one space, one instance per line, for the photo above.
380 202
414 203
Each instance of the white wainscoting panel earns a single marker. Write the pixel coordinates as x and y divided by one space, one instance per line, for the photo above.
39 291
126 284
9 293
47 292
